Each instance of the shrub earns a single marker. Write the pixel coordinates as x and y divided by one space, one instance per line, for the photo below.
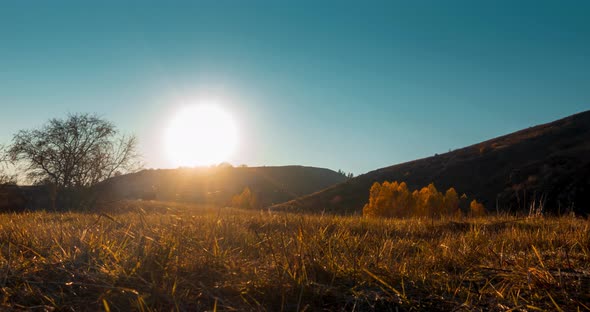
246 199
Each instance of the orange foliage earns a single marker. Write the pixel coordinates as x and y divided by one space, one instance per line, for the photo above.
393 199
388 200
245 200
476 209
451 202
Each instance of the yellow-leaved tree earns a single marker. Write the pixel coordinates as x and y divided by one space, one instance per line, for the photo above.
389 199
370 209
451 203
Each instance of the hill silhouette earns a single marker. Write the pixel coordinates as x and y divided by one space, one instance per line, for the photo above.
548 164
217 185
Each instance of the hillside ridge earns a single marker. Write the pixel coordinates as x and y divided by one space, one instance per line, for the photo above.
547 163
217 185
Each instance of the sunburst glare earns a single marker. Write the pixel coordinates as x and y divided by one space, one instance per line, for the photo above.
200 135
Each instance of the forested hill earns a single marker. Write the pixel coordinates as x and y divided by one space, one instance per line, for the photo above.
218 185
548 163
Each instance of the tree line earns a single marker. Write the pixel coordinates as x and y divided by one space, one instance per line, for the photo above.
395 200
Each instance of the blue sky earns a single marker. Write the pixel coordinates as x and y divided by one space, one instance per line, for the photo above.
338 84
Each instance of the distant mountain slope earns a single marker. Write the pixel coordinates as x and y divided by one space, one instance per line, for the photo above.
218 185
549 162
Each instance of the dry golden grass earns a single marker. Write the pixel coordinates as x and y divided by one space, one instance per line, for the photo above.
154 256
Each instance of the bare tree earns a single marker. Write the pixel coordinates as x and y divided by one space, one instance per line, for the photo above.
5 178
74 153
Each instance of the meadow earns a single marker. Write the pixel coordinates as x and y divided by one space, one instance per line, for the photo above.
159 256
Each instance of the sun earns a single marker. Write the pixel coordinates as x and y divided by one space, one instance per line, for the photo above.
200 135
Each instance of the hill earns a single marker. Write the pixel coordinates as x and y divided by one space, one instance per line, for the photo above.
548 163
218 185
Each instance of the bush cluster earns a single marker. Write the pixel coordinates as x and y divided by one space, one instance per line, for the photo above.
395 200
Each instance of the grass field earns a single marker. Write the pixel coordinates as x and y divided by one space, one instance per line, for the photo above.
154 256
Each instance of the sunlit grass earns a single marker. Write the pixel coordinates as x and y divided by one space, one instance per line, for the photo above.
166 256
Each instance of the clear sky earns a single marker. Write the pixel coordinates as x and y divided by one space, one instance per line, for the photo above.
345 85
